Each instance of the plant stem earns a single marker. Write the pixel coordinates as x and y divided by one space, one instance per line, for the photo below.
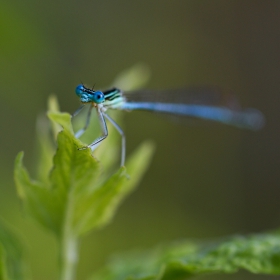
68 257
68 243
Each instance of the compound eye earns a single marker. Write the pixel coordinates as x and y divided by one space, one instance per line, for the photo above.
80 90
99 96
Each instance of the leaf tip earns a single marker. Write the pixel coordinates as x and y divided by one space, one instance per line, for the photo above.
53 105
19 158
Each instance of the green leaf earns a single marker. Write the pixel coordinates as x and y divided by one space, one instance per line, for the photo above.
45 150
75 175
41 203
11 260
63 119
133 78
256 253
46 147
76 195
96 209
57 119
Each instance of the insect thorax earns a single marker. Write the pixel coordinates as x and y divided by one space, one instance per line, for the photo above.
113 98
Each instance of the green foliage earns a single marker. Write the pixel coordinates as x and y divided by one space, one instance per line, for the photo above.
11 261
76 193
73 194
255 253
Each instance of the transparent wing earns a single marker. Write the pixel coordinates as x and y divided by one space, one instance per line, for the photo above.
212 96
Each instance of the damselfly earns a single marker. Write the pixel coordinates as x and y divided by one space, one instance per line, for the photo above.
202 103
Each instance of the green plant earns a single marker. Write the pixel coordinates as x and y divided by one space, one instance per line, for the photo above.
74 193
77 196
258 254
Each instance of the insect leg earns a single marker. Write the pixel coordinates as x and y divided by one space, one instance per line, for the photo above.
122 135
78 111
103 126
80 132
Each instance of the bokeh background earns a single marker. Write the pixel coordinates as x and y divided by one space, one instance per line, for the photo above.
205 180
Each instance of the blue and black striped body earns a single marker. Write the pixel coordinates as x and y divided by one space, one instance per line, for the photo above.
113 98
202 103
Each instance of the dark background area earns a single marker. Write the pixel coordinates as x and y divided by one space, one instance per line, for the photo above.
205 181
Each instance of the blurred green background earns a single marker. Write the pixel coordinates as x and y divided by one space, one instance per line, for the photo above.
206 180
